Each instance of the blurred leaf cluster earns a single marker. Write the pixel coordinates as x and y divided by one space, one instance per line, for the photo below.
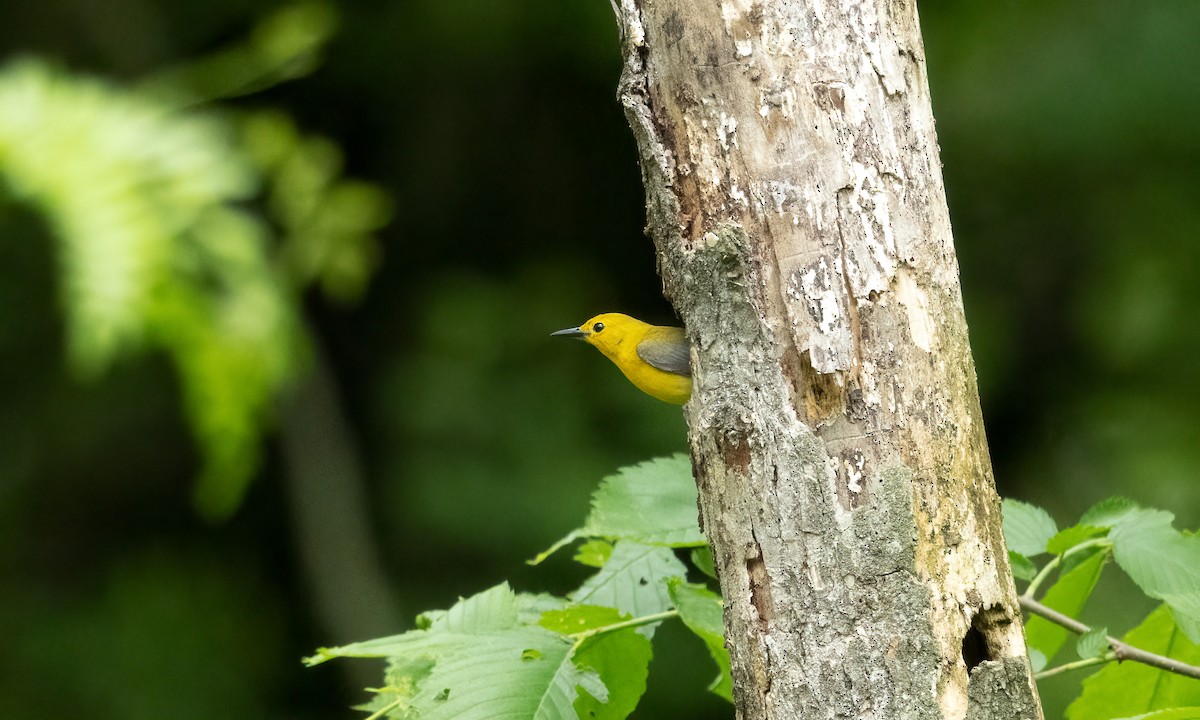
192 231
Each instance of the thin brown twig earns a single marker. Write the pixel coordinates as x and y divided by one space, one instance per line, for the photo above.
1121 650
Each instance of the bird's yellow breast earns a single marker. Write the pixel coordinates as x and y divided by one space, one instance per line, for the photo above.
666 386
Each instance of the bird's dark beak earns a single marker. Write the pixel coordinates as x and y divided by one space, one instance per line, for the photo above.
570 332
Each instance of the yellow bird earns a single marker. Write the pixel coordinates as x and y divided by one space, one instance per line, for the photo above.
656 359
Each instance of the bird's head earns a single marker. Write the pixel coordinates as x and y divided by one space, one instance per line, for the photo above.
605 331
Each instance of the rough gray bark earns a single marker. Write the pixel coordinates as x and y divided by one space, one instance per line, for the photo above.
794 193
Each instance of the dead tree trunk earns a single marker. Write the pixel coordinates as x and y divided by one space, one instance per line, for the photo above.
794 193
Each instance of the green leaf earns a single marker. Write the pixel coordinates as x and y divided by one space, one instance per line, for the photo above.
594 553
1067 595
1027 528
634 580
1068 538
1022 567
478 661
576 619
653 503
1037 659
531 607
622 660
1109 512
1162 561
560 544
1179 713
1186 609
1092 643
702 611
1128 689
1072 560
703 560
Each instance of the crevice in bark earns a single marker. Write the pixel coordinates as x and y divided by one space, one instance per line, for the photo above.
818 396
854 375
735 449
760 587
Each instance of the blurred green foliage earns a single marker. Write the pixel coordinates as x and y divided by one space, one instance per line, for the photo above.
153 251
1070 149
159 244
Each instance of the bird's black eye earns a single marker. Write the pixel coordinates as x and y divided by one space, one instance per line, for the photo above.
597 327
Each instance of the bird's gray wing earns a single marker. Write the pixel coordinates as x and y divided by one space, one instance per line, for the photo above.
671 355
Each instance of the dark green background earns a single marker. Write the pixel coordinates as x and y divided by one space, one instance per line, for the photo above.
1070 142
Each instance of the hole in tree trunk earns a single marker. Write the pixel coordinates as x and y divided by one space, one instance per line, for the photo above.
974 645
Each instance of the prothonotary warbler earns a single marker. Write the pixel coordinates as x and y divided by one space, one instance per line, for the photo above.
656 359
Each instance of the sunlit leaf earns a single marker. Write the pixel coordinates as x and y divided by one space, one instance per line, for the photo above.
1068 538
703 560
634 580
1022 567
1092 643
653 503
1108 512
1179 713
478 661
1164 563
576 619
594 553
621 658
1067 596
701 610
1027 528
1127 689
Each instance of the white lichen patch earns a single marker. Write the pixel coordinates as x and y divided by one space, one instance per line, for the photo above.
916 308
870 385
632 16
783 195
817 288
704 163
867 221
733 13
854 101
738 195
733 10
885 56
820 290
727 131
779 37
783 100
854 468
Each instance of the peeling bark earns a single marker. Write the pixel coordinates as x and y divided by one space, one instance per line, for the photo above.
795 197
